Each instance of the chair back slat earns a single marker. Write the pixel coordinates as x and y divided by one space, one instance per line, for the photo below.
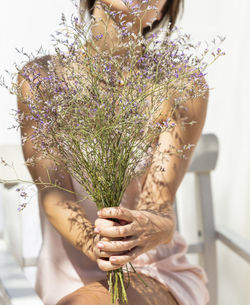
205 155
203 162
208 233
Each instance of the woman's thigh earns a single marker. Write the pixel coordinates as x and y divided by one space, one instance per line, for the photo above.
97 293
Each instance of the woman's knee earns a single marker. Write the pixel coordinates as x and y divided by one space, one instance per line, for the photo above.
97 293
94 294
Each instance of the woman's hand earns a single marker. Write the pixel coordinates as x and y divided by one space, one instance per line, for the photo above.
137 232
102 256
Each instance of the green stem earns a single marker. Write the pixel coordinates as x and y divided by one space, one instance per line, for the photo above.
124 294
137 274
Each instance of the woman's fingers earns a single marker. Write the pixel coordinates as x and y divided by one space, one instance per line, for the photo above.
104 254
106 265
117 246
102 222
117 212
117 261
125 258
119 231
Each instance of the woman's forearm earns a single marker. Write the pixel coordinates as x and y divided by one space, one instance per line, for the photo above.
158 190
172 158
163 210
163 179
60 206
157 198
69 219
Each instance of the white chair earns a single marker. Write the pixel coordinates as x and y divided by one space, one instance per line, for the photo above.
17 290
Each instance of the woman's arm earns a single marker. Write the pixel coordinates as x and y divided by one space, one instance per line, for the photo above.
153 221
169 166
60 206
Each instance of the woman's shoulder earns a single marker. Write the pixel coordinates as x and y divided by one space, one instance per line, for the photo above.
43 61
38 63
41 65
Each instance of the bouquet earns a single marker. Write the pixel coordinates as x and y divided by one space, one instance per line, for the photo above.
97 113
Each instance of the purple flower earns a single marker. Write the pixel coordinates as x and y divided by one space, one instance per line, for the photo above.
22 206
23 194
99 36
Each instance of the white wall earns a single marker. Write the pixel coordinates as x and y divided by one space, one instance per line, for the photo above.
29 23
228 118
26 24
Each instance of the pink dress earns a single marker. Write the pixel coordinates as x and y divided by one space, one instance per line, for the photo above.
63 269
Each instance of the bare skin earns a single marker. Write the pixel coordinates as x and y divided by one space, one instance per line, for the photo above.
148 220
97 293
139 22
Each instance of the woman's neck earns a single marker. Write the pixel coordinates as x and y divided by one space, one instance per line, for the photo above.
107 26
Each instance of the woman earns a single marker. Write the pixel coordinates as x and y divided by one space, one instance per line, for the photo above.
74 259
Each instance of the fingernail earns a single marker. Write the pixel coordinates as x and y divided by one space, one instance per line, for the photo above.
113 259
99 213
100 245
97 230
